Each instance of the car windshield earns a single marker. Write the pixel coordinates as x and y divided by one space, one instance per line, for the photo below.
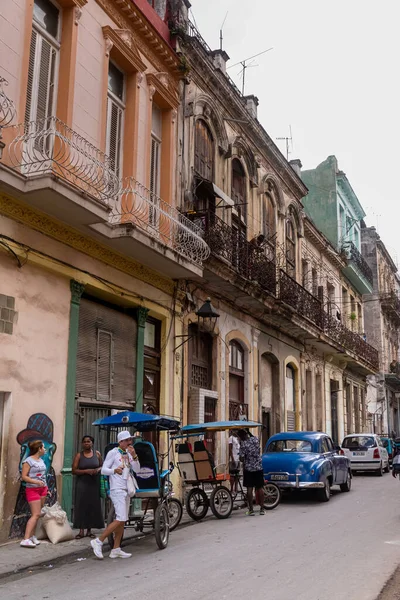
289 446
358 441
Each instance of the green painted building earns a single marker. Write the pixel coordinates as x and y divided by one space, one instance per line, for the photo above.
335 209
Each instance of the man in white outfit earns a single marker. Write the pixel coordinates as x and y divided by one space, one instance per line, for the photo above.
117 465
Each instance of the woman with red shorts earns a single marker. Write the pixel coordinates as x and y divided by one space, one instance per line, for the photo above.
34 476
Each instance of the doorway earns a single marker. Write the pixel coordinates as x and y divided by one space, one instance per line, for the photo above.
266 428
334 387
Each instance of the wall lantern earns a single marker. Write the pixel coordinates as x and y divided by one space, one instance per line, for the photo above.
207 318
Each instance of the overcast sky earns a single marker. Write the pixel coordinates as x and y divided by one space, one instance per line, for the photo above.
333 75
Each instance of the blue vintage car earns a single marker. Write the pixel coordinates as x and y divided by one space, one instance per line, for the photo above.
306 460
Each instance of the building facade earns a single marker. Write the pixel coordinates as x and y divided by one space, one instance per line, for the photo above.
92 247
382 322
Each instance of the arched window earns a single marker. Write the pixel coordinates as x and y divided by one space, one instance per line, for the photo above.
204 151
269 224
290 249
239 188
237 406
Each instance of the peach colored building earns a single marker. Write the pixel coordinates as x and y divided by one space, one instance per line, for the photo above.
92 247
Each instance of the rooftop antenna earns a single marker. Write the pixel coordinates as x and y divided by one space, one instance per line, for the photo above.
246 66
220 31
287 140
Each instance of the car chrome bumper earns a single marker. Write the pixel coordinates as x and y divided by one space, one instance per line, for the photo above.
303 485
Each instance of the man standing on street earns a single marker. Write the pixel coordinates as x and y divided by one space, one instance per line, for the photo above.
234 464
253 476
118 465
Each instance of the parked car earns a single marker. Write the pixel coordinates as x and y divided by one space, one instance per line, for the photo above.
390 446
306 460
366 452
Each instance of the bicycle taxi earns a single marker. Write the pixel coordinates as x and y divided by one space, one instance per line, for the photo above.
207 487
160 511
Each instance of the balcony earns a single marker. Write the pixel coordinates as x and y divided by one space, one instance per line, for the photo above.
304 303
58 171
392 379
7 108
147 228
357 270
247 260
310 308
391 306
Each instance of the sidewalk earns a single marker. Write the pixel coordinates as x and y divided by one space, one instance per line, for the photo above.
14 559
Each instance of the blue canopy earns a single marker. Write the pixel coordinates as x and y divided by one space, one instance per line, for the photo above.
140 421
219 426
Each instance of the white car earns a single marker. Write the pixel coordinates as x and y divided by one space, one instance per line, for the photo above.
366 452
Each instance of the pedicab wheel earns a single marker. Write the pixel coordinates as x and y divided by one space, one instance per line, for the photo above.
221 502
175 511
196 504
272 496
110 519
161 526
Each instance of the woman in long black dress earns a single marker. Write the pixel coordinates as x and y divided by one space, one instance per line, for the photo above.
87 467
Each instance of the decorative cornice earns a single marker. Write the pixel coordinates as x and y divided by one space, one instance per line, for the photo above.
124 41
71 3
66 235
163 84
154 48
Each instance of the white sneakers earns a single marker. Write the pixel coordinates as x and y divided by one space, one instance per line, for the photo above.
115 553
97 546
28 544
118 553
35 540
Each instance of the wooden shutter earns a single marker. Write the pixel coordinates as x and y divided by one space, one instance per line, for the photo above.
106 357
42 72
114 134
104 374
154 181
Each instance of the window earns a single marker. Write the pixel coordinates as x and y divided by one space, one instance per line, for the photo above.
290 446
314 275
43 62
115 117
200 358
204 151
358 442
152 366
155 164
324 446
290 249
341 224
239 188
269 224
238 409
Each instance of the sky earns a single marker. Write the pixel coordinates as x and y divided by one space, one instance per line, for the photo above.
333 76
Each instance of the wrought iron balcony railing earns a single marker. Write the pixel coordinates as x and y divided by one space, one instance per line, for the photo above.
351 341
391 303
246 259
7 108
356 257
49 146
138 205
300 299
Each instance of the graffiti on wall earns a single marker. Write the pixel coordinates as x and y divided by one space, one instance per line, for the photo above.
39 427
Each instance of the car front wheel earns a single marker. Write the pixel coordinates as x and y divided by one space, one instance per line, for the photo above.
324 495
346 487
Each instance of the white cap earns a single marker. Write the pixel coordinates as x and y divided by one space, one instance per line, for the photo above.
124 435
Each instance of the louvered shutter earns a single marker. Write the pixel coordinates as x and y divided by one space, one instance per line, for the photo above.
154 181
106 357
41 79
114 134
104 365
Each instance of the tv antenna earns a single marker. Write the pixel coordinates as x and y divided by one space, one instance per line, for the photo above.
287 140
220 31
245 66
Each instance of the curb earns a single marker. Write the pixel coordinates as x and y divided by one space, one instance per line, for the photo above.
84 552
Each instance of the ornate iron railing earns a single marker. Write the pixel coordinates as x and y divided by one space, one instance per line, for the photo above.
391 303
300 299
351 341
49 146
7 107
138 205
356 257
231 245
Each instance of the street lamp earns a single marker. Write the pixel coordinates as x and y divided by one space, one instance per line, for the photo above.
207 317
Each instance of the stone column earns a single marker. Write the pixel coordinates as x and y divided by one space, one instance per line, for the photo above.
77 290
301 414
255 412
141 314
313 398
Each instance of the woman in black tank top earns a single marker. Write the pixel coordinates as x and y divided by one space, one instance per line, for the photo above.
87 507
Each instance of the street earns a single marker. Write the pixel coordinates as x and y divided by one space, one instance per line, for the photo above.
345 549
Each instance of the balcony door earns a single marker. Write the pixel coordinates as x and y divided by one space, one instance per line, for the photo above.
238 408
238 215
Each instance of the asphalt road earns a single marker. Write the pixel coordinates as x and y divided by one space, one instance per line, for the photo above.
345 549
